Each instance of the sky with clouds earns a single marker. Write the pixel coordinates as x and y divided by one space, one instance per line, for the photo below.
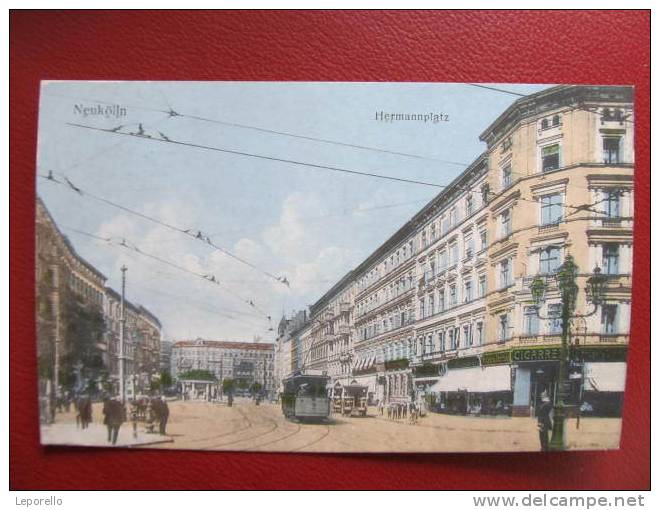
308 224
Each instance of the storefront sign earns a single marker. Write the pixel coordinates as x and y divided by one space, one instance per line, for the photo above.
496 358
471 361
427 370
536 354
396 364
595 354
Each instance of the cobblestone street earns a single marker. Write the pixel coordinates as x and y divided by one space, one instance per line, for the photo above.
208 426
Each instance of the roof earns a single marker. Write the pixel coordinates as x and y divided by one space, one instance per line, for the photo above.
67 243
554 97
223 344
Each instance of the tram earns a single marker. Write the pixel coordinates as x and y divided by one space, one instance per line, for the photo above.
355 400
305 397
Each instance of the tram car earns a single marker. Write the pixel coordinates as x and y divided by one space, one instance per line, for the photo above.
355 400
305 397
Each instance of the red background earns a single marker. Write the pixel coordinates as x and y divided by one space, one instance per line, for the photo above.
466 46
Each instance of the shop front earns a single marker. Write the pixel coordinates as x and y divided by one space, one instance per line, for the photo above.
596 379
468 387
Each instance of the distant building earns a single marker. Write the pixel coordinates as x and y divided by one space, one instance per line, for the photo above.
284 346
244 362
165 356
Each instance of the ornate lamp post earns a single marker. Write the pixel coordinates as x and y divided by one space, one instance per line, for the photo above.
566 278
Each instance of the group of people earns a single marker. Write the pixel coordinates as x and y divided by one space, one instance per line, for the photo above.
398 411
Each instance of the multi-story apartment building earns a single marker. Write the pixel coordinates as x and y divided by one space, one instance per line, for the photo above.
443 308
69 293
73 298
244 362
283 357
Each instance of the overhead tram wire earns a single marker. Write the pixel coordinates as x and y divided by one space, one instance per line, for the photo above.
174 113
284 160
225 313
199 235
207 277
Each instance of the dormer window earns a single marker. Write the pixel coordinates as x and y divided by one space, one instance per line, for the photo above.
555 121
544 124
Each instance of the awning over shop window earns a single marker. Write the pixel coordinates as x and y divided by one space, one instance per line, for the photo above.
475 380
605 376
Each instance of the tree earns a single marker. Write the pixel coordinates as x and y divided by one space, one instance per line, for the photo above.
255 389
82 359
166 379
198 375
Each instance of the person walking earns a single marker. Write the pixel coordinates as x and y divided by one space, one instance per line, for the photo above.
163 415
544 421
116 415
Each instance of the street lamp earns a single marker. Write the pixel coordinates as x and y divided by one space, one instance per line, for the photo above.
566 278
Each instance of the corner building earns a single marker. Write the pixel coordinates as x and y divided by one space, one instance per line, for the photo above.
442 311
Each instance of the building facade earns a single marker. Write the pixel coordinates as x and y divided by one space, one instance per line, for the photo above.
443 311
78 323
245 363
284 347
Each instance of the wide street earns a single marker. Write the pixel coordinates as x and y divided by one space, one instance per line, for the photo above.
211 426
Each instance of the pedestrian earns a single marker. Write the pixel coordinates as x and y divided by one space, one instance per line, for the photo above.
163 415
544 421
84 415
115 416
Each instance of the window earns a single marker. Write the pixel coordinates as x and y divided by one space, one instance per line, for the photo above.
611 146
549 260
554 322
453 254
555 120
443 260
441 300
483 239
551 209
506 176
469 205
469 247
441 340
485 193
544 124
505 273
531 319
504 327
505 223
467 291
480 333
550 157
421 308
609 319
431 305
612 201
467 335
611 258
433 232
452 340
482 285
452 217
424 242
452 295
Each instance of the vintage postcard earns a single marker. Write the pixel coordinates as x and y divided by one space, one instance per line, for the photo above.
334 267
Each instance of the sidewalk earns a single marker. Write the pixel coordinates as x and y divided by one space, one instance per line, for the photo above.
96 435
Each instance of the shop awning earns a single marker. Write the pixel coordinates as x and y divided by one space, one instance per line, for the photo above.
475 380
605 376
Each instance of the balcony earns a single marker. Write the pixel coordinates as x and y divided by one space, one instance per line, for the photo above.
611 223
343 329
550 227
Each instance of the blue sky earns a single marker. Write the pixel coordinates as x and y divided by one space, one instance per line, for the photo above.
309 225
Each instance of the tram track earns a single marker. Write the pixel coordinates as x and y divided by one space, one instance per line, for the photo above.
275 425
318 440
